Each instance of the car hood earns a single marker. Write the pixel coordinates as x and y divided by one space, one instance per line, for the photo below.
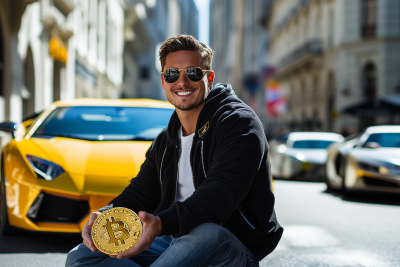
95 166
317 156
382 154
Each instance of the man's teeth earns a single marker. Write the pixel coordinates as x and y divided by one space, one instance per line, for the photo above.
184 93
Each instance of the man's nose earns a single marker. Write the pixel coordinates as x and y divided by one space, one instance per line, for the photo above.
183 80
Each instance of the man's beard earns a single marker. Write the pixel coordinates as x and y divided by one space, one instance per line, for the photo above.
195 105
197 102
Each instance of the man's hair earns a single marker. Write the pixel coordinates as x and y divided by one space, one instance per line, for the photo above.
189 43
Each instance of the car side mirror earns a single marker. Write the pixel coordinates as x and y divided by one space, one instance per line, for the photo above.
9 127
372 145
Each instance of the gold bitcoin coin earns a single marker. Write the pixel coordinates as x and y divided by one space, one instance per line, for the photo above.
116 230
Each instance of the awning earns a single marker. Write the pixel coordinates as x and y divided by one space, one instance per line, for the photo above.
380 106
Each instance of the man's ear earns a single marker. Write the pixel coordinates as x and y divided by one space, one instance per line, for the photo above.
211 76
162 81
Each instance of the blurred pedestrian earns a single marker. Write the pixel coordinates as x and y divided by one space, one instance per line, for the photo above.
204 191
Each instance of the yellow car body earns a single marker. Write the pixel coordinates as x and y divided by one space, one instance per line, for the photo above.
94 171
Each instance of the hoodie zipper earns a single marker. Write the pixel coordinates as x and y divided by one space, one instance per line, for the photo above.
177 171
246 219
161 170
202 162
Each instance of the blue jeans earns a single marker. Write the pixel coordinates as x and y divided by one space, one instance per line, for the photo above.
207 245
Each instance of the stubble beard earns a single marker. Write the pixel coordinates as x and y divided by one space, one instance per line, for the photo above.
191 107
197 102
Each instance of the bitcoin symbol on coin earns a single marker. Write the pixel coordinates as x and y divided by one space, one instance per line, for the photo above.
116 230
111 231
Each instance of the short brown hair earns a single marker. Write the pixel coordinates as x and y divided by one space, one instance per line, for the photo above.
185 42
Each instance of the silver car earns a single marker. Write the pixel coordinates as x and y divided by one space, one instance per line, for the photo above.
369 161
301 154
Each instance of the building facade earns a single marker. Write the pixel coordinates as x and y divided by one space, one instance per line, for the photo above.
339 61
63 49
239 42
10 61
148 24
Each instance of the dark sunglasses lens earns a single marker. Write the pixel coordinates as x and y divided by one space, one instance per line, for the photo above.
171 75
194 74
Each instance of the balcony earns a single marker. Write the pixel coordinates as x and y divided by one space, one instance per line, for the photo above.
308 53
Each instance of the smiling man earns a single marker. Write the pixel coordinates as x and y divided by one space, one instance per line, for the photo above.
204 191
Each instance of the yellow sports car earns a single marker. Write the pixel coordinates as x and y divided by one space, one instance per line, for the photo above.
72 159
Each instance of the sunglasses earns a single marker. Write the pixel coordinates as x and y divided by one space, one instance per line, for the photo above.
195 74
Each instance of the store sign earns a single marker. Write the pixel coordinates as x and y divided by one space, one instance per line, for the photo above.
276 101
58 50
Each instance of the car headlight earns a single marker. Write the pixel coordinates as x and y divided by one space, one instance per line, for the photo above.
390 169
298 157
386 169
45 169
368 167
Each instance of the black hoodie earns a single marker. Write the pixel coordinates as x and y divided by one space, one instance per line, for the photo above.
231 176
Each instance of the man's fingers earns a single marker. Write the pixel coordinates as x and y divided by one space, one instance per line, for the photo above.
150 230
93 217
140 246
86 232
143 216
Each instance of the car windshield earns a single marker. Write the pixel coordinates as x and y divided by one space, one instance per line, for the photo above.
385 139
105 123
312 144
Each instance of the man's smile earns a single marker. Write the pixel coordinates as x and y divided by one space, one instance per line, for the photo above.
184 92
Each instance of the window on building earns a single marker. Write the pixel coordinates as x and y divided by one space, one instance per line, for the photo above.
369 80
316 86
28 90
331 112
144 73
1 63
330 29
303 88
368 26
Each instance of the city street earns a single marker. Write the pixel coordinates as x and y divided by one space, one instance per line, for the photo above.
324 229
321 229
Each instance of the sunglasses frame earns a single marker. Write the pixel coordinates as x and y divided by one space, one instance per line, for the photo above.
203 71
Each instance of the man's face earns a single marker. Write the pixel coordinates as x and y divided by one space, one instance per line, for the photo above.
185 94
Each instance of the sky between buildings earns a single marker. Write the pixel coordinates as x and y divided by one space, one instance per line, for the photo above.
204 18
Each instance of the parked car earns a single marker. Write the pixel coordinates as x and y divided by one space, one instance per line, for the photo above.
369 161
72 159
301 154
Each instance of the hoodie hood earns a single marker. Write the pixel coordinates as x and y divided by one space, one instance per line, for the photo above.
220 95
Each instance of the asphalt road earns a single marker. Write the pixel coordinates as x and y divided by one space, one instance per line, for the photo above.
326 229
321 229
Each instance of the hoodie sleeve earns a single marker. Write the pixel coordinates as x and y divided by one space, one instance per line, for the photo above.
144 191
241 146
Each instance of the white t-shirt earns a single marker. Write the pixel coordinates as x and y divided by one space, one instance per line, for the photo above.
185 186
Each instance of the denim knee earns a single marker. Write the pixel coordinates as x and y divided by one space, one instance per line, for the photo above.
210 232
83 256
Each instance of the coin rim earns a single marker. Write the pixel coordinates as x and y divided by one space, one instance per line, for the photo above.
96 224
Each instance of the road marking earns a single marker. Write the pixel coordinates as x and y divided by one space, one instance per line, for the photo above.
307 236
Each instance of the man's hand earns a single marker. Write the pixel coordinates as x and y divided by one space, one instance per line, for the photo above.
87 231
151 229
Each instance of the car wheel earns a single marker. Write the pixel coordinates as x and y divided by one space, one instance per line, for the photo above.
344 188
5 227
286 170
326 181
